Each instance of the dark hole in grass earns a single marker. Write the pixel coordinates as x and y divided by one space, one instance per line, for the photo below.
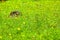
15 13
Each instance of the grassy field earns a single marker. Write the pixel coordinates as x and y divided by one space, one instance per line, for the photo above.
40 20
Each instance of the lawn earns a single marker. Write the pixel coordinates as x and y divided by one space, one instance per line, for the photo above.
40 20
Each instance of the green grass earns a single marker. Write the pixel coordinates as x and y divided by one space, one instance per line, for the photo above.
40 20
